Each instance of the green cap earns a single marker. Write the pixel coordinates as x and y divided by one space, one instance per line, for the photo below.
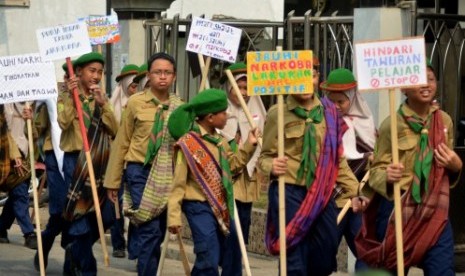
128 69
429 63
235 68
208 101
143 70
340 79
87 58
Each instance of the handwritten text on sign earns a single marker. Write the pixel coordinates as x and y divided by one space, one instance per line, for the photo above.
103 29
391 64
279 73
214 39
26 78
63 41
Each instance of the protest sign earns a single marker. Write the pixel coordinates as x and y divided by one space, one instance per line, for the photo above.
279 73
102 29
63 41
390 64
214 39
26 78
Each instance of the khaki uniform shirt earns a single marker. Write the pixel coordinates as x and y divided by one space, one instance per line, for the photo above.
13 148
42 127
185 187
407 143
71 139
130 145
294 130
246 188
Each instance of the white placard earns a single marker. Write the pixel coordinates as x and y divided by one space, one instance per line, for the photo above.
391 64
26 78
214 39
63 41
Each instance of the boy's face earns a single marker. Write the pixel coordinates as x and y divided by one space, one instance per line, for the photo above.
425 93
242 84
161 75
90 74
341 101
218 120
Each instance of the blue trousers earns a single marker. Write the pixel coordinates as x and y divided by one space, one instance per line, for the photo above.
349 228
58 190
244 209
439 259
316 253
117 230
211 247
145 239
17 206
84 233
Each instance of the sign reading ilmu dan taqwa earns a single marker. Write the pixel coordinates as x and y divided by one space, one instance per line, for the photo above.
391 64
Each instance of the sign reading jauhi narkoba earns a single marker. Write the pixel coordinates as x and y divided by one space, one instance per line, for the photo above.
279 73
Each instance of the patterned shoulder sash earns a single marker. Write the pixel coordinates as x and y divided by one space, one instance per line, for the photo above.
207 173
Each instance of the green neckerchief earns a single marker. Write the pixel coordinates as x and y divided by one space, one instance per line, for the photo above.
424 154
87 115
226 177
308 162
156 136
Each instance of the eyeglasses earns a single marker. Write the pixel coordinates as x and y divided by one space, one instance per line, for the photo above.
159 73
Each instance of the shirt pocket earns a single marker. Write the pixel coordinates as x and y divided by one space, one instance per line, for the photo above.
294 134
407 150
145 121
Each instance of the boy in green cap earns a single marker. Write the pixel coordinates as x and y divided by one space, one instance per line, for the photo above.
202 184
428 167
145 148
358 140
101 127
313 164
246 188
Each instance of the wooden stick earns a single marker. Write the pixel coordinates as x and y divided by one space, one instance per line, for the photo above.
397 202
349 202
202 69
182 252
205 74
242 102
35 195
164 249
240 236
90 167
281 191
117 214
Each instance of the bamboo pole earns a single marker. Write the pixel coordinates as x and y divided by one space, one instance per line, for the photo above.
242 102
182 252
202 69
240 236
205 74
397 202
35 195
346 207
281 191
90 167
164 249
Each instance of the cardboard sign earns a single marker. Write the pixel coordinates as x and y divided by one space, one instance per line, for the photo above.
214 39
63 41
26 78
102 29
279 73
391 64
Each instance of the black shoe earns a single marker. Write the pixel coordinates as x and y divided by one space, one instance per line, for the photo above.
73 265
119 253
4 237
36 261
30 241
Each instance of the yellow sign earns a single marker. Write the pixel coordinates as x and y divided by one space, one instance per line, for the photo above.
279 72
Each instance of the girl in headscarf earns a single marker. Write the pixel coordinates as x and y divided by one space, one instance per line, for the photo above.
125 88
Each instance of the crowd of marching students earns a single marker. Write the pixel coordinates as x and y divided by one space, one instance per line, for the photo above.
156 157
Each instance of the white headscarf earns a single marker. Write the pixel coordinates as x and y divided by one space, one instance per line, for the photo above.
237 119
119 97
142 83
361 124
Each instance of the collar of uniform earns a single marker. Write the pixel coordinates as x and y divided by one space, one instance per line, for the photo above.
203 132
82 95
293 104
409 112
149 96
